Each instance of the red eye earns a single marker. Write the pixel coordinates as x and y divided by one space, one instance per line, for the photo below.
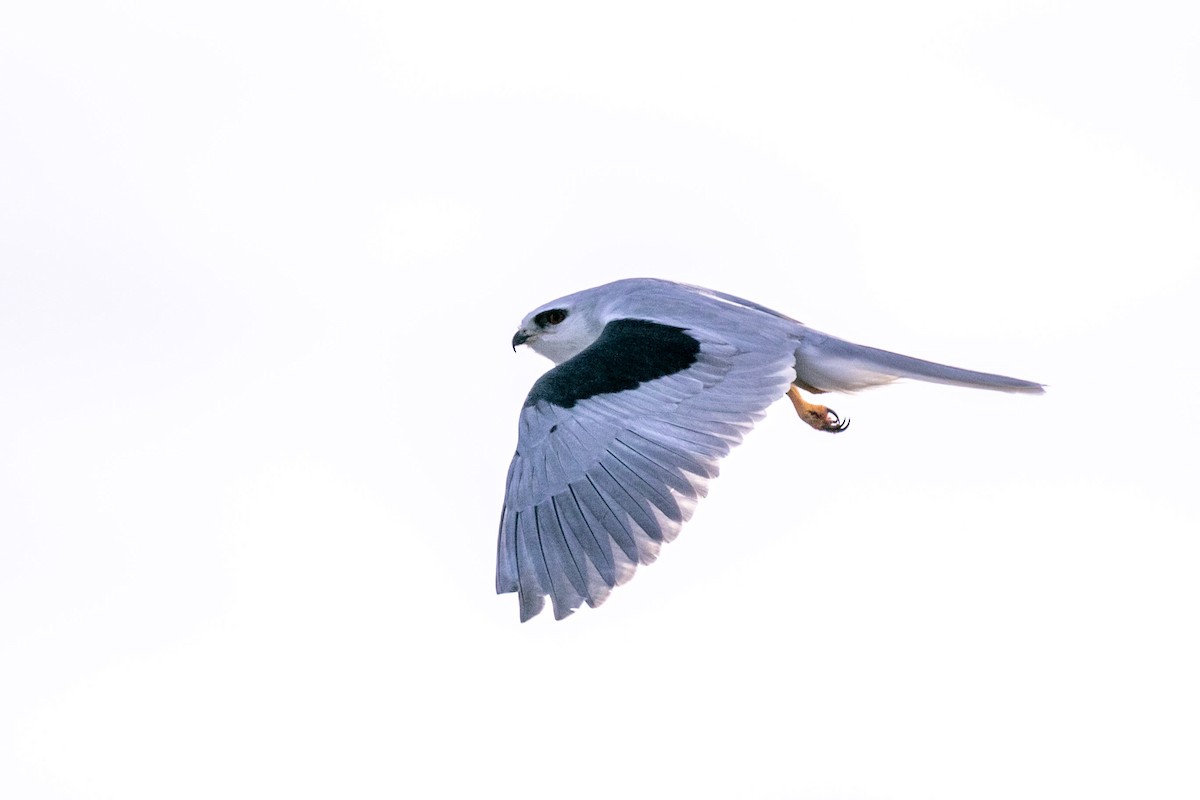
551 317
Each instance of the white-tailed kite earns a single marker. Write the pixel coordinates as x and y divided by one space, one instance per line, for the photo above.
655 382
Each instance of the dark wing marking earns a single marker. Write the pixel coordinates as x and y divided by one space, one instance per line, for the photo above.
627 354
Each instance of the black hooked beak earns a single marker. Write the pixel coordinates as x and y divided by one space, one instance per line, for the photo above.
520 337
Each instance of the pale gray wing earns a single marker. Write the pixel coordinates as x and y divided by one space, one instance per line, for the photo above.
826 363
599 482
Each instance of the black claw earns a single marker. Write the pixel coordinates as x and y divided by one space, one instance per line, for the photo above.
836 424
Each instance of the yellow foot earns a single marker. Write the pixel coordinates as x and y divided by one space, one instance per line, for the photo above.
820 417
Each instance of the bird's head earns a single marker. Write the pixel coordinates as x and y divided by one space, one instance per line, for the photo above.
562 328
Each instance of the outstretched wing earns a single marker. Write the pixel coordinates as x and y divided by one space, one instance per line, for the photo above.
615 447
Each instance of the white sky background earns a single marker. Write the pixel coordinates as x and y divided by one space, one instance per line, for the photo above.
259 269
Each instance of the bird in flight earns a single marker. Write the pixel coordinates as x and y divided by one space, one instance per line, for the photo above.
654 383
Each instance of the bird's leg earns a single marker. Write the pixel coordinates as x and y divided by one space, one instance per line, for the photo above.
819 417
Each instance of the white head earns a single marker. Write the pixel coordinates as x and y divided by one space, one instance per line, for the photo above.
562 328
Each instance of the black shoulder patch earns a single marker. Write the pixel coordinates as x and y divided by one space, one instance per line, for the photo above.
628 353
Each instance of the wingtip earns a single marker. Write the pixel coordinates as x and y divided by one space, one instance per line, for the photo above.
531 606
